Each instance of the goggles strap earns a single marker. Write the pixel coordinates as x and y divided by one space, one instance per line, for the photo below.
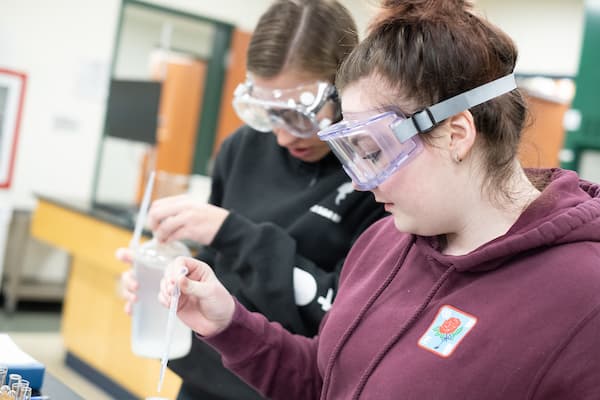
427 119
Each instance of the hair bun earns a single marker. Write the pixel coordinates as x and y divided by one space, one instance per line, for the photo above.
410 11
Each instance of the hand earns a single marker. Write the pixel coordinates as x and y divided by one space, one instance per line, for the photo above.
128 283
204 303
181 217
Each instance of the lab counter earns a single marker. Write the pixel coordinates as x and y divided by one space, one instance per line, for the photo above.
53 389
95 329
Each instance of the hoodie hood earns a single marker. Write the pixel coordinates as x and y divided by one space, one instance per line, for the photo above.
567 211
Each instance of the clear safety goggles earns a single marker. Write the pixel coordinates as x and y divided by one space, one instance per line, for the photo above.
372 149
292 109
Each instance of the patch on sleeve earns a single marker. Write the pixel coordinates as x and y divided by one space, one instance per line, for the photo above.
447 330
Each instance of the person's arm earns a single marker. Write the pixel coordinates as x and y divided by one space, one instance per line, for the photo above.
573 370
273 277
278 364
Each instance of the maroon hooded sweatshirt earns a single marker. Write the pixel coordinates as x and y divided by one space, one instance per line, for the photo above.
517 318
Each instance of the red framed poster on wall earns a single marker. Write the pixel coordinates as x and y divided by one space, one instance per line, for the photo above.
12 95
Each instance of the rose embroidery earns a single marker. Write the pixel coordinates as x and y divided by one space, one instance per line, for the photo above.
449 329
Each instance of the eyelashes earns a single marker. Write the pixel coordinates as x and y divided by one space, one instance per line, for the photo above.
373 157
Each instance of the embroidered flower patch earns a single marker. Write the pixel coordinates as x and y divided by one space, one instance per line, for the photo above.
447 330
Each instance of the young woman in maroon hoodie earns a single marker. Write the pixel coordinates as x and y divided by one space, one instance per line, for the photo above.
484 283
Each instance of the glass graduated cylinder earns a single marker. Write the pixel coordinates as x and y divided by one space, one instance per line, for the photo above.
149 317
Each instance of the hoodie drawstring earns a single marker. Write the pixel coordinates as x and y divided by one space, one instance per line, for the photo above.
350 330
375 362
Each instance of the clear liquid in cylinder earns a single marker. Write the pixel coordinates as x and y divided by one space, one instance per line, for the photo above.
149 317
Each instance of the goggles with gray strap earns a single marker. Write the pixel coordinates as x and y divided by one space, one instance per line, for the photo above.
372 149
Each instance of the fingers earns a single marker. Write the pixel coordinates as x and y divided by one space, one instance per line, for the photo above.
130 299
198 289
129 284
201 283
124 254
172 277
164 294
180 272
196 269
128 308
128 289
166 207
173 227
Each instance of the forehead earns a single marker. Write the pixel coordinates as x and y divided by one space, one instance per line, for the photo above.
369 94
366 94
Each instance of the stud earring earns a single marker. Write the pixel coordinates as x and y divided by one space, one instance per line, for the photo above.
457 158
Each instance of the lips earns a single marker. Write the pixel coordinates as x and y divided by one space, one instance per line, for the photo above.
299 151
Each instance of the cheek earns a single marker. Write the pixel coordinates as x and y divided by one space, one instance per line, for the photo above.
408 193
413 191
316 143
322 149
408 185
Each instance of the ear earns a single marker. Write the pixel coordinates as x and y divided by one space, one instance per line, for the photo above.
462 135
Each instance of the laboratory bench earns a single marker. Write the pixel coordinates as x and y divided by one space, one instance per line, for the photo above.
95 329
53 389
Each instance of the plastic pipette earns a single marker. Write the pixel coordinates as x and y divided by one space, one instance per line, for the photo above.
170 326
141 217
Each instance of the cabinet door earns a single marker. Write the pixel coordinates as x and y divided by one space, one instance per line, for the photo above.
236 74
178 116
543 136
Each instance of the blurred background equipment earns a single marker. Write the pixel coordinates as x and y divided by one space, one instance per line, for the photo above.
583 120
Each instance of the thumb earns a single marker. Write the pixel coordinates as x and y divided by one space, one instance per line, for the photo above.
194 288
196 270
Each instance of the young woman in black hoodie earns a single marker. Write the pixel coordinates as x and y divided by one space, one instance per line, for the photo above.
282 214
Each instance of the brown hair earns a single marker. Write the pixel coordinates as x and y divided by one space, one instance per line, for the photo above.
431 50
307 36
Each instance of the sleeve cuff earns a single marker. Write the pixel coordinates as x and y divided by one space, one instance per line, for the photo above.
242 338
234 230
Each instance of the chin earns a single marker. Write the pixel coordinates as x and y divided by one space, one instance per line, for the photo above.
406 224
311 158
402 224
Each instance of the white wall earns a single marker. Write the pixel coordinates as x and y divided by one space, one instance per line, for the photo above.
65 47
548 33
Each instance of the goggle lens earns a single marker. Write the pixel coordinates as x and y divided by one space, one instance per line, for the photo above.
294 120
253 115
368 150
266 114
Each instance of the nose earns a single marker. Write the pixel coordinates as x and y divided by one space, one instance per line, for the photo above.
284 138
